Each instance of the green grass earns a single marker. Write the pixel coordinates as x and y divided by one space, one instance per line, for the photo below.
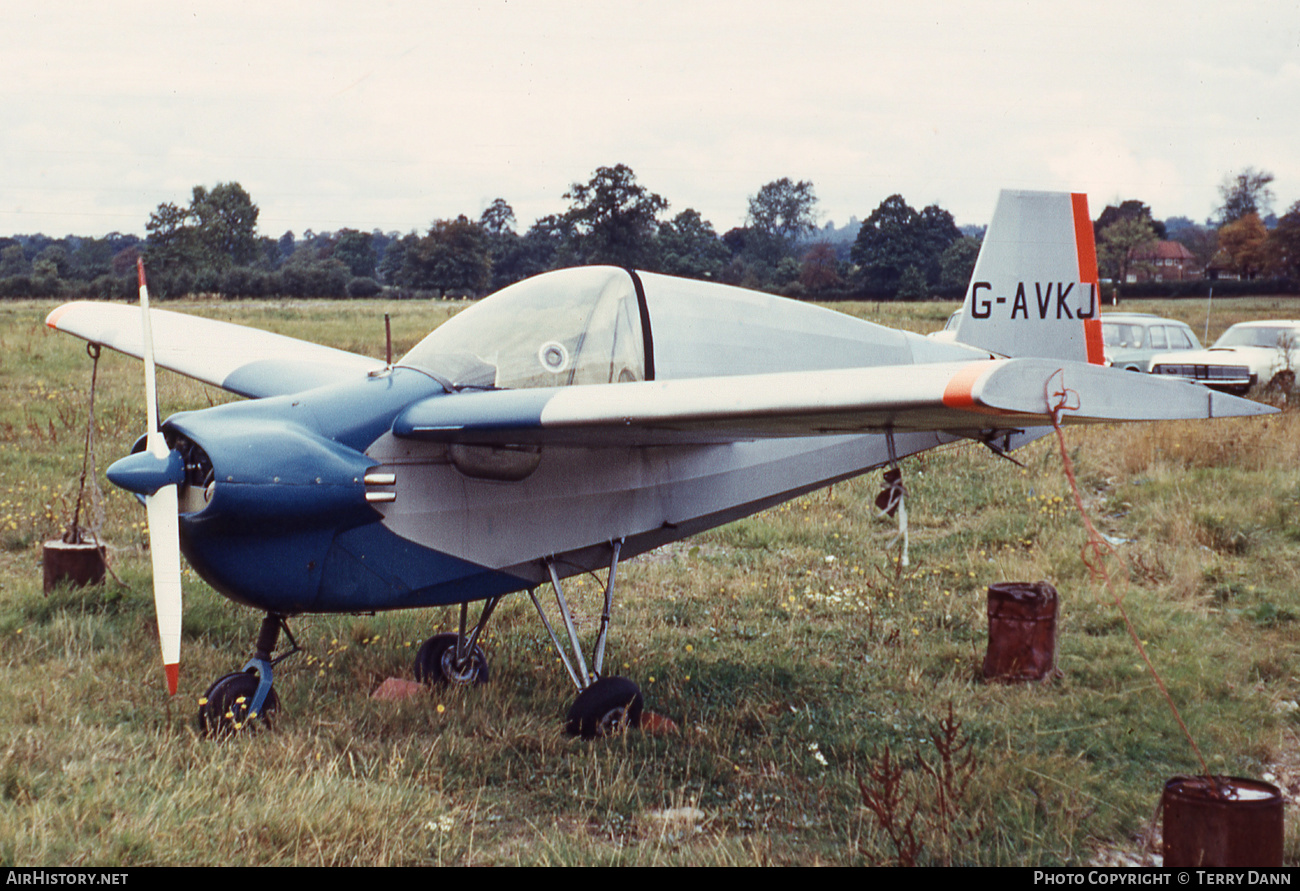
788 647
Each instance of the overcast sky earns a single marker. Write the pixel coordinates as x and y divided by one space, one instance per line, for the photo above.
392 114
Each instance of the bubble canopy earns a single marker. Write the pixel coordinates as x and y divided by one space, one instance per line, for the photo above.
581 326
607 325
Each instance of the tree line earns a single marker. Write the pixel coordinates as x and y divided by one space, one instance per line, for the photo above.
1243 240
212 246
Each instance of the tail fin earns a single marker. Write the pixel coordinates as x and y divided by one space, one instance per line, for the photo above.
1035 289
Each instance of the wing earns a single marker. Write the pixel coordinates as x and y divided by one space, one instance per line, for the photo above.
233 357
959 397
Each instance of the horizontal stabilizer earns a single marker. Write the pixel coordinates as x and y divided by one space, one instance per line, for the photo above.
958 397
237 358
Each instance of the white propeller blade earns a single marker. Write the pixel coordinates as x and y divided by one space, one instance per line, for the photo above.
164 547
162 510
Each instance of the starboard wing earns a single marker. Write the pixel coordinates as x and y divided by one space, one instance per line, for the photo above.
960 397
242 360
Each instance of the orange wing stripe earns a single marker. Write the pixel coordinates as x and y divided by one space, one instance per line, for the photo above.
957 394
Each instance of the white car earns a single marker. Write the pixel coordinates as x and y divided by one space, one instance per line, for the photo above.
1248 353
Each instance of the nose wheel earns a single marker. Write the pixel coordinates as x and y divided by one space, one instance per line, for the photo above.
227 707
243 701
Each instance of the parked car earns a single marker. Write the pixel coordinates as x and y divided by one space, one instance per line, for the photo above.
1131 339
1248 353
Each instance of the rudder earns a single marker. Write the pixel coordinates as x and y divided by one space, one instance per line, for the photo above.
1035 290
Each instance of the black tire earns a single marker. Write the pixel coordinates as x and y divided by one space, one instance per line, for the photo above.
609 706
435 663
223 710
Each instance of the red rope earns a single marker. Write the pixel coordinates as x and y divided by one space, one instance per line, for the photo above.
1096 548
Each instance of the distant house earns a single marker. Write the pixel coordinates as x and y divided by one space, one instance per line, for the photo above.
1221 268
1163 261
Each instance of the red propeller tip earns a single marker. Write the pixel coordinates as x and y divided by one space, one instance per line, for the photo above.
173 676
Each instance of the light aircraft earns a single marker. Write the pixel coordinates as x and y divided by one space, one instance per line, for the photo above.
572 421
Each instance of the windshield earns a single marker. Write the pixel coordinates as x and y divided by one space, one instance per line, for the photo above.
1270 337
582 326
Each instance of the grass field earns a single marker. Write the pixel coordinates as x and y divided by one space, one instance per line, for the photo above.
830 705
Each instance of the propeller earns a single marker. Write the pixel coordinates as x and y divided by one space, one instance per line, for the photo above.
156 474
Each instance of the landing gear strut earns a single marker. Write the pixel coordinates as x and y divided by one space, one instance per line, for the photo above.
605 705
244 700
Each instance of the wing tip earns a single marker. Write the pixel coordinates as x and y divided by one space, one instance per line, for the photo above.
52 320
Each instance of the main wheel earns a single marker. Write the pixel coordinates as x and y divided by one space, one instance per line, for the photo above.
435 663
224 709
608 706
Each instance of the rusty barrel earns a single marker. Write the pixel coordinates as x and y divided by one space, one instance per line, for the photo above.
1222 821
1022 632
79 564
